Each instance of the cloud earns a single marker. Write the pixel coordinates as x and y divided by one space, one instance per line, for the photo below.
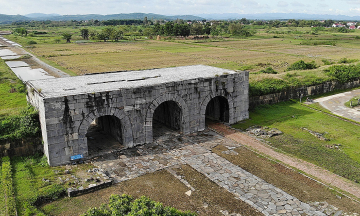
352 1
297 4
282 4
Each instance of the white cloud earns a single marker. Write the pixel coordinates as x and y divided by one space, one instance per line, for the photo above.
282 4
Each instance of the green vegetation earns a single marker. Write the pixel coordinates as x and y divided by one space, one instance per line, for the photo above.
301 65
31 189
291 118
343 73
353 102
12 91
24 125
126 205
268 70
346 61
7 184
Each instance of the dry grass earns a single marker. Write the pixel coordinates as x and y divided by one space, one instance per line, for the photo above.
207 199
290 181
252 55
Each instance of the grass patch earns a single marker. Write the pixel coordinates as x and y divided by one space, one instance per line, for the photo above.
7 182
30 187
286 179
126 205
291 117
353 102
12 91
163 187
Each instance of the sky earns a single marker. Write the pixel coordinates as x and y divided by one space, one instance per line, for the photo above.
180 7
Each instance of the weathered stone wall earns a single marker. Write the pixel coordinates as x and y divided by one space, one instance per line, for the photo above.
22 147
295 93
65 120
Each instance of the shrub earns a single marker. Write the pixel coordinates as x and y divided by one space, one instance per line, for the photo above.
124 205
343 73
327 62
31 42
346 61
269 70
267 86
7 182
301 65
24 125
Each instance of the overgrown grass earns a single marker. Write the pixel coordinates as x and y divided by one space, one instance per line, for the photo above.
7 182
12 91
2 197
22 126
126 205
31 187
291 117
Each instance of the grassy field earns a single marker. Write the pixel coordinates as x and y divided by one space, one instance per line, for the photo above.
291 118
13 98
265 49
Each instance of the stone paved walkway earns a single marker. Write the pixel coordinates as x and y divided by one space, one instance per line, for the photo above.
196 152
335 103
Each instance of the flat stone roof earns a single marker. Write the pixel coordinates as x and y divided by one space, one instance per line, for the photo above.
60 87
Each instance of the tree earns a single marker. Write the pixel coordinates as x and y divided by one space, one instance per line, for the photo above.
239 30
67 37
21 31
145 20
85 34
196 29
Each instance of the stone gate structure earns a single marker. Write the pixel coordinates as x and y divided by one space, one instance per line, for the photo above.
125 105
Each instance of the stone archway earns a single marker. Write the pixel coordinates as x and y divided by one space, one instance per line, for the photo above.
184 122
126 129
205 103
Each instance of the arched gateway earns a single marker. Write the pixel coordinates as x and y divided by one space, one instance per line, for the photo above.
127 104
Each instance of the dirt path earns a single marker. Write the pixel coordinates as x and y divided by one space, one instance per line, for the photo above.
319 173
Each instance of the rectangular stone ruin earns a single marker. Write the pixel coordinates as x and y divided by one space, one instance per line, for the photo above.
126 104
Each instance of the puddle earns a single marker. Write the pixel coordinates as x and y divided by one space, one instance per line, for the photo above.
26 74
15 64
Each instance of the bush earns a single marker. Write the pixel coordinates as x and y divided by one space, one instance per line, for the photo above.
267 86
124 205
24 125
327 62
343 73
301 65
7 182
346 61
269 70
31 42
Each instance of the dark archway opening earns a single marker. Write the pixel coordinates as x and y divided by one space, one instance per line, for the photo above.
166 119
218 109
104 134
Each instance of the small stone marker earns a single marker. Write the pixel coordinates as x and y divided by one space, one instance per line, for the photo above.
188 193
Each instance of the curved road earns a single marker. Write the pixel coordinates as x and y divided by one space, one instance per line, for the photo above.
335 103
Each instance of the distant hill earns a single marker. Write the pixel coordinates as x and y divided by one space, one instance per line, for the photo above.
6 19
277 16
136 16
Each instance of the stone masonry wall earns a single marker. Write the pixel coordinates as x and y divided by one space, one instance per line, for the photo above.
294 93
65 120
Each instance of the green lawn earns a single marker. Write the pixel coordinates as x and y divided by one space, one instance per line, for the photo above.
10 103
291 118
